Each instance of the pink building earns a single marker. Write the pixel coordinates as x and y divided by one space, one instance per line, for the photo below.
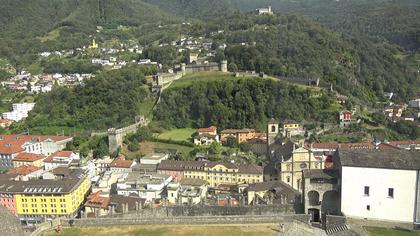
7 197
176 168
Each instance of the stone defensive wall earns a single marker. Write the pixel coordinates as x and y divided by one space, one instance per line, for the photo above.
116 136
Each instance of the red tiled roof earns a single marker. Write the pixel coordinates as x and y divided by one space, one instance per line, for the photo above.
24 170
11 146
65 154
62 154
12 143
236 131
119 163
405 142
28 157
95 200
207 130
365 145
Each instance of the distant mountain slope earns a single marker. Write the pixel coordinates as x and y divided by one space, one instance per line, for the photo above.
35 17
202 9
397 21
21 21
296 47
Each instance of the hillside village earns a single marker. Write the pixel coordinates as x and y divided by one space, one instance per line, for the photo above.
43 180
315 157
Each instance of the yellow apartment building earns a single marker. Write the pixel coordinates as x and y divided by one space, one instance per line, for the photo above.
50 198
226 173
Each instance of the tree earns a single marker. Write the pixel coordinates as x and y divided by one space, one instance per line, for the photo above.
379 118
133 147
143 133
101 150
245 147
215 149
232 67
231 142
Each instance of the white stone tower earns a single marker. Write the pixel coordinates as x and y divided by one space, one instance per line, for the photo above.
223 66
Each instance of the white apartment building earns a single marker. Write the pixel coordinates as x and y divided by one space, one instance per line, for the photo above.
19 111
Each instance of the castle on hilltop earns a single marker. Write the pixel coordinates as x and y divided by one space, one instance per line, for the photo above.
264 11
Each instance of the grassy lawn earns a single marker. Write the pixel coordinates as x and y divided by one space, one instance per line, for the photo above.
178 230
202 76
178 134
378 231
148 147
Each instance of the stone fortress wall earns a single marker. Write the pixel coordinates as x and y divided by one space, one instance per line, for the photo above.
116 136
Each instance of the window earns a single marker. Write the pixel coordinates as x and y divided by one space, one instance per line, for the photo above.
391 192
273 128
368 207
288 179
366 192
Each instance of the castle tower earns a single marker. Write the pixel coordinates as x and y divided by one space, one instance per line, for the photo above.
183 69
272 132
223 66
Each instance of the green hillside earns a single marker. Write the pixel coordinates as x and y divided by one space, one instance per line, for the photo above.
230 102
111 99
396 21
296 47
33 25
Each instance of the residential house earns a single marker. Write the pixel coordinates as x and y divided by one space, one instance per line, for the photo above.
291 128
121 165
61 158
146 186
345 118
415 103
122 204
96 205
28 159
187 191
176 168
103 164
25 173
206 136
241 135
154 159
379 184
5 123
13 144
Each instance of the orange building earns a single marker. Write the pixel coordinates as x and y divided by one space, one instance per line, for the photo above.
241 135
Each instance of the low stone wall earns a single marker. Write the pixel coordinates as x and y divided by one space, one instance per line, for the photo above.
199 220
199 210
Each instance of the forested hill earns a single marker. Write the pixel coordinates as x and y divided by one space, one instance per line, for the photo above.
396 21
25 23
111 99
295 47
239 103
